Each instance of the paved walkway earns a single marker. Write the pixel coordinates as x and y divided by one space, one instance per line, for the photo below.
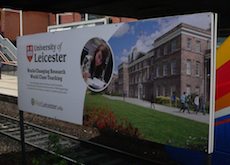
171 110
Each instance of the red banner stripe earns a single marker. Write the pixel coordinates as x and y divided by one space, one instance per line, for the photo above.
222 122
223 80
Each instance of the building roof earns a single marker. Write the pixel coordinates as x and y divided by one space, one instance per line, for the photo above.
129 8
177 30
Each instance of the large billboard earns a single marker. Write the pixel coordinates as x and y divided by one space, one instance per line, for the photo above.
150 80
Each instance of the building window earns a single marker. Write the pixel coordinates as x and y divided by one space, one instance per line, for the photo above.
152 76
153 53
82 16
167 91
172 89
208 44
158 52
140 77
197 90
144 76
173 68
158 91
189 43
197 69
188 67
158 71
165 70
94 16
148 76
165 49
198 46
173 45
188 89
163 91
152 60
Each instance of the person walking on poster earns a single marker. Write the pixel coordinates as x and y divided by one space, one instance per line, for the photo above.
173 99
182 101
202 105
186 104
196 103
152 100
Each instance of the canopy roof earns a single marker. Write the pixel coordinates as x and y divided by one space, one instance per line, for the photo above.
129 8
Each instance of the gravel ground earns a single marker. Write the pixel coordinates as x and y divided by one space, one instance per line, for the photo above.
8 145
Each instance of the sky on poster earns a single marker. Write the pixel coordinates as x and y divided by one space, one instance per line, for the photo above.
141 34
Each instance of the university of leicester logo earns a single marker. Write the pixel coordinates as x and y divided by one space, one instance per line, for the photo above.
29 52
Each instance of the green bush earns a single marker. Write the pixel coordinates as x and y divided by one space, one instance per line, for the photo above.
163 100
197 143
167 101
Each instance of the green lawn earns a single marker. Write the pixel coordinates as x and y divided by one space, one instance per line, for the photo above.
153 125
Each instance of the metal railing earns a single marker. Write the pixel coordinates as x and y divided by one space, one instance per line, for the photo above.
74 150
7 48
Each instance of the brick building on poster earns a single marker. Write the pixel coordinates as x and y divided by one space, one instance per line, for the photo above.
179 62
123 79
113 85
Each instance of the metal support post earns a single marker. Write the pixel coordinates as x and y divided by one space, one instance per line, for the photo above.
22 137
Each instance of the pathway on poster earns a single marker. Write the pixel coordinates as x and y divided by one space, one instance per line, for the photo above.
171 110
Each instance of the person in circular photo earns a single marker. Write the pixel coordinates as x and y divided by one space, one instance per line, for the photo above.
96 64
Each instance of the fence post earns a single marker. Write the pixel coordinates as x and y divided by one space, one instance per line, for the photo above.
22 137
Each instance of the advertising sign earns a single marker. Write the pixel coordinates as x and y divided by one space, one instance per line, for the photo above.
150 79
50 76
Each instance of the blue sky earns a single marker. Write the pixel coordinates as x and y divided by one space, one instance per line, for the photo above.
141 34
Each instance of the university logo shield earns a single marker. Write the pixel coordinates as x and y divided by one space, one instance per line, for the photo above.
29 52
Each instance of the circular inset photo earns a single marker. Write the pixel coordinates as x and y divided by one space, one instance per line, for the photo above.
96 64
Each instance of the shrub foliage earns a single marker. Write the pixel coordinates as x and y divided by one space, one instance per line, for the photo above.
106 121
